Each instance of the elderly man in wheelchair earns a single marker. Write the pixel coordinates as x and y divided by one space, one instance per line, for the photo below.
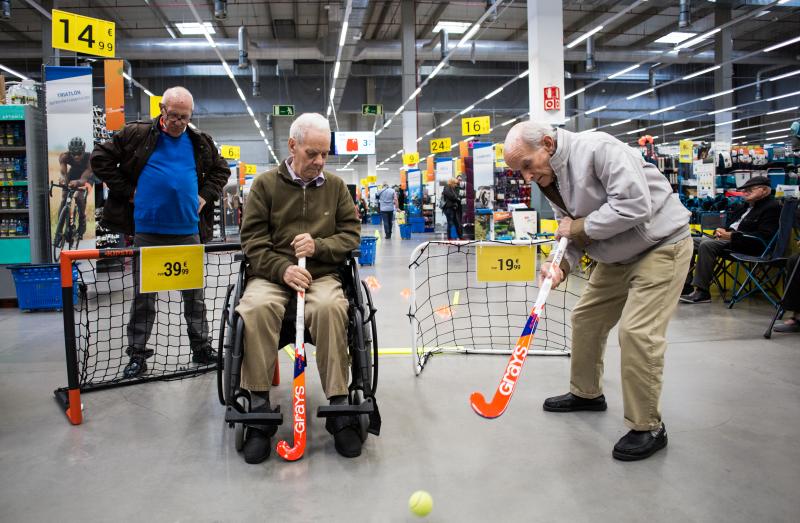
296 211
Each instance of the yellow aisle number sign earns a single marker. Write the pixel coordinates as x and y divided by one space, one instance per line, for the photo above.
441 145
512 263
155 106
171 268
83 34
250 168
499 160
231 152
475 126
411 159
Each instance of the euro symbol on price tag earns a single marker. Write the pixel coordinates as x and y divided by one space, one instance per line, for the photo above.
171 268
511 263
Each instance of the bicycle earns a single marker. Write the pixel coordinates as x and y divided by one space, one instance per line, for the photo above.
67 234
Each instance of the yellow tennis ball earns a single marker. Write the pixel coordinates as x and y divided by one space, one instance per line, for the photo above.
420 503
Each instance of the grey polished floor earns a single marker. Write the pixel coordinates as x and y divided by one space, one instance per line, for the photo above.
160 452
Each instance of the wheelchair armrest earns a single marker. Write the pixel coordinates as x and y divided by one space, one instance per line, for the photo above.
355 253
330 411
239 256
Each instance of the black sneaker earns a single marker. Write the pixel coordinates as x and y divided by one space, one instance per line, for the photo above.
258 440
135 367
640 444
204 356
570 403
697 296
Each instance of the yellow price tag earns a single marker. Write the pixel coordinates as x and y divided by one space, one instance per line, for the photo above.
171 268
372 178
231 152
83 34
686 152
475 126
512 263
250 168
441 145
411 159
499 160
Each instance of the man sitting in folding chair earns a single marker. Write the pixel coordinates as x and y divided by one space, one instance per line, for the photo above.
750 233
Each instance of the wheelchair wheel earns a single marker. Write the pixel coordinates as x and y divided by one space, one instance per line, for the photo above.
240 430
221 346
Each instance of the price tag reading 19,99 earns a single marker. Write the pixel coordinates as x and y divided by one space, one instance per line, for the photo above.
512 263
83 34
171 268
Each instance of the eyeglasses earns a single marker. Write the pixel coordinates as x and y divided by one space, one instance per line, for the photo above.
178 117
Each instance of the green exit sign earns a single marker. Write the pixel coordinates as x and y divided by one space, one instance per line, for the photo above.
371 110
283 110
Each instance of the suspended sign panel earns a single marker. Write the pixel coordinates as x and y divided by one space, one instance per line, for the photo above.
351 143
83 34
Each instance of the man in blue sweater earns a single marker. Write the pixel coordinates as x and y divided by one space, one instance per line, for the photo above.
163 176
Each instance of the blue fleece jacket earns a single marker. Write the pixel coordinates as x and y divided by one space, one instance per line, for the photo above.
166 198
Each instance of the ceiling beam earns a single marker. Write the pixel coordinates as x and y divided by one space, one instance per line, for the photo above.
609 33
697 17
12 31
433 19
381 19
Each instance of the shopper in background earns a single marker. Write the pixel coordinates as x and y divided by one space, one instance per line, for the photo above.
387 203
163 179
75 172
621 211
401 198
279 227
750 232
451 207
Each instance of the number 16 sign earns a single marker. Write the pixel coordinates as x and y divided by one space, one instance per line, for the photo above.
171 268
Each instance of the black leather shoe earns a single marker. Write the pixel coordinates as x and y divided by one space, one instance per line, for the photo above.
204 356
135 367
258 441
640 444
346 438
570 403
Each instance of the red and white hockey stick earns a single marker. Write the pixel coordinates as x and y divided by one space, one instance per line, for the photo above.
514 368
299 386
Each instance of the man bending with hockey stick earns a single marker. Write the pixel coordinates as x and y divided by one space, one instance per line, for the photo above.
298 210
621 211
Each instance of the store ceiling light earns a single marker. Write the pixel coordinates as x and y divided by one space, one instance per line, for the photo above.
466 38
721 93
590 111
524 74
664 110
782 44
381 168
701 71
695 41
468 109
725 110
194 28
446 122
240 93
673 122
415 93
574 93
228 70
343 34
784 110
430 132
436 70
728 122
777 131
493 93
455 28
637 130
738 137
388 123
584 36
786 75
508 122
620 122
675 37
783 96
336 70
624 71
685 130
23 77
640 93
589 130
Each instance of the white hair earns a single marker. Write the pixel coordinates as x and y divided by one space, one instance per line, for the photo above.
177 92
306 122
529 133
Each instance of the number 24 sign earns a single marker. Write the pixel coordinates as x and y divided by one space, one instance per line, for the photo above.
83 34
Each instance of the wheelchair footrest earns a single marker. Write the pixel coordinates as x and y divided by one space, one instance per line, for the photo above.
330 411
254 418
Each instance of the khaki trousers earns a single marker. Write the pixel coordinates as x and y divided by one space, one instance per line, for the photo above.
262 308
641 296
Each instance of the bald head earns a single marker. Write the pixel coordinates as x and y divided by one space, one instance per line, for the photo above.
528 147
177 106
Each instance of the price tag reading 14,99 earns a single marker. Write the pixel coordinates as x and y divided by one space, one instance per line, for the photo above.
172 268
83 34
511 263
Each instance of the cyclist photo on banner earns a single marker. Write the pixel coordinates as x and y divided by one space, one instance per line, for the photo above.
75 174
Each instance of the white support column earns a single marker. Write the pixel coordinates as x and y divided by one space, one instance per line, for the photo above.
545 57
409 67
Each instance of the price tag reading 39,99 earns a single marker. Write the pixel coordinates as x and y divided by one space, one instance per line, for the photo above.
83 34
512 263
171 268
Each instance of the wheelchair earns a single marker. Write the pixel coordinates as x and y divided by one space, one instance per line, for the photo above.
362 347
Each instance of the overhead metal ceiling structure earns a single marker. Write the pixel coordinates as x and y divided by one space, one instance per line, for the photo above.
294 44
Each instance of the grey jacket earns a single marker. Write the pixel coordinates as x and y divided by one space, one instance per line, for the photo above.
623 205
